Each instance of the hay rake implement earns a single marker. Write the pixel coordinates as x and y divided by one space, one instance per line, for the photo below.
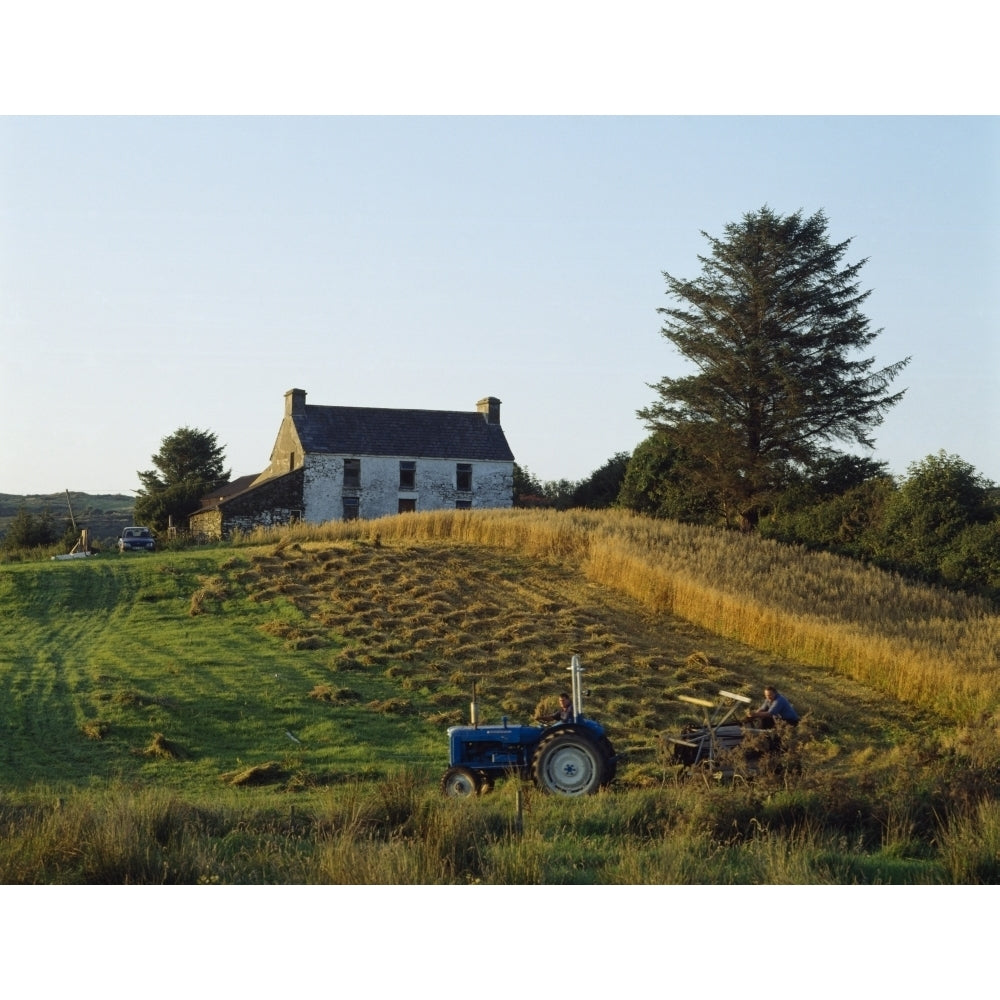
701 746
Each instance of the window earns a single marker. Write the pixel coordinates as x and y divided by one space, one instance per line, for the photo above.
351 509
463 505
352 472
407 506
463 477
407 475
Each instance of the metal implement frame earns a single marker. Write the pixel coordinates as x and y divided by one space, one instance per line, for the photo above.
716 714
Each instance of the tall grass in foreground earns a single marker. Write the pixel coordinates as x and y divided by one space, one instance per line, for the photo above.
923 645
403 832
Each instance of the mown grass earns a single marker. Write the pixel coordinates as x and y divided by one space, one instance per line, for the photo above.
274 710
922 645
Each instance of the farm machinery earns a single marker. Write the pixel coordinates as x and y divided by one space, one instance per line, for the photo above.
574 757
716 734
718 746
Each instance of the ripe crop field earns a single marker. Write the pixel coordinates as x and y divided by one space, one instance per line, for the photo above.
274 709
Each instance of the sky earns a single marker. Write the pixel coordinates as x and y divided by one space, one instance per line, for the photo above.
160 271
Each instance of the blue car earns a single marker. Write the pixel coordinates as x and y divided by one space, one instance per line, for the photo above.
135 539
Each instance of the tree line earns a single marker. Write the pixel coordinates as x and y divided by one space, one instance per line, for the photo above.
939 523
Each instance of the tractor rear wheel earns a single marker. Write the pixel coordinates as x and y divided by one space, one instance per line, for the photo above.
568 762
460 783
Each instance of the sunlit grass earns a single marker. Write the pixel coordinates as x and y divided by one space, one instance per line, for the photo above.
274 710
399 831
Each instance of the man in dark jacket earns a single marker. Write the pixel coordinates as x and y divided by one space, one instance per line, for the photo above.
565 712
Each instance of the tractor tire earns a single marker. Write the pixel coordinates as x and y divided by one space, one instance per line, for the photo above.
460 783
569 762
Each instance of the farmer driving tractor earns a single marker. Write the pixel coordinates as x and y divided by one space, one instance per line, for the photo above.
565 711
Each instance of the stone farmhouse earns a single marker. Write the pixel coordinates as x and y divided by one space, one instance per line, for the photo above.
342 462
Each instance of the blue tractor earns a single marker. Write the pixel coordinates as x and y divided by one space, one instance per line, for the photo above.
568 758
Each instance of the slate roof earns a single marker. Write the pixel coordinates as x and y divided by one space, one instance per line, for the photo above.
361 430
226 491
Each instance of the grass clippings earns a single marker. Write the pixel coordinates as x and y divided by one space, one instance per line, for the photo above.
337 695
163 748
95 729
268 773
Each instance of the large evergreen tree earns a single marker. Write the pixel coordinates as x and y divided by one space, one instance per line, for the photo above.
189 465
773 327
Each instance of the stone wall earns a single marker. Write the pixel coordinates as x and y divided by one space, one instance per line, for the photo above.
206 523
276 501
379 494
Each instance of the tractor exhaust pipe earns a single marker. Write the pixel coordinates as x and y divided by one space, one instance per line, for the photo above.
577 671
474 708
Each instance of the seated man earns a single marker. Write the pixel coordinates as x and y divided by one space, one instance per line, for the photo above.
775 706
564 712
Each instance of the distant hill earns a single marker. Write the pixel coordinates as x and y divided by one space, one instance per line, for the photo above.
103 515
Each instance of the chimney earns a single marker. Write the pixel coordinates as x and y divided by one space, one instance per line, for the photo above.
295 403
490 408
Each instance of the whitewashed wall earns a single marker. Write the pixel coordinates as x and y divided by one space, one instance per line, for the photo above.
379 493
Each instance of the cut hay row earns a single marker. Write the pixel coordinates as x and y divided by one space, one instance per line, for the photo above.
923 645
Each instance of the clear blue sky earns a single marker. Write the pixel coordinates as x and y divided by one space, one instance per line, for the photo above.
165 272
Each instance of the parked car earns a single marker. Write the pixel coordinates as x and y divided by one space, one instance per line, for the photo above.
136 537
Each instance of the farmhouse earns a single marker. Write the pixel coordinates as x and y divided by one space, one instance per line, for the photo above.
343 462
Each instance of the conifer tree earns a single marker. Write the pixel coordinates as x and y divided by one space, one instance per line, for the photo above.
189 465
773 327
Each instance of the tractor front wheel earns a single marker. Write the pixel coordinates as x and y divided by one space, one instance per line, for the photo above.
460 783
567 762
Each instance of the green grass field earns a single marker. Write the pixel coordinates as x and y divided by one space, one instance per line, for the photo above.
101 655
275 711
